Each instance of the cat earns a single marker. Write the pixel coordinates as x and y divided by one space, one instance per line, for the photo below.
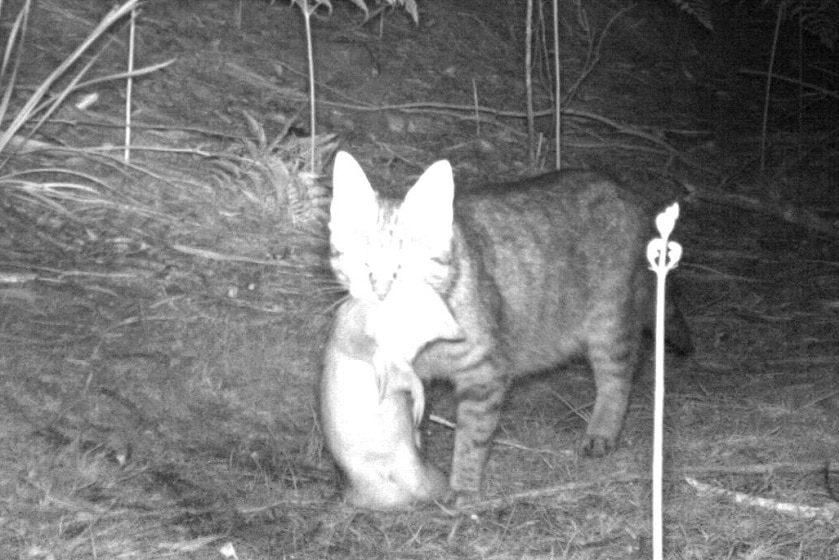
534 272
372 402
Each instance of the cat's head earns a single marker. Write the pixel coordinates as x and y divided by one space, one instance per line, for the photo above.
377 241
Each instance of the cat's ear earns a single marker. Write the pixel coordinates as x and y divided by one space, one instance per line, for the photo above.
354 202
428 206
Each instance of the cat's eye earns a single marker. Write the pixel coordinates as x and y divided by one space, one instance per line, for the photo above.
375 277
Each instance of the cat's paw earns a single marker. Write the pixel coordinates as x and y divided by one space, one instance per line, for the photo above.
597 446
464 499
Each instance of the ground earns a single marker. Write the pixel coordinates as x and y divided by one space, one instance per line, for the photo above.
162 322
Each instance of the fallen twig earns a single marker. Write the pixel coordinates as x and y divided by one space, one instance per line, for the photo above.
827 512
768 468
551 491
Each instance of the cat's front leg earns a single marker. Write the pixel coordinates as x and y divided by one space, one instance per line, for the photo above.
480 395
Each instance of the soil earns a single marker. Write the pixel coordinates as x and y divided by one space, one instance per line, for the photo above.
162 323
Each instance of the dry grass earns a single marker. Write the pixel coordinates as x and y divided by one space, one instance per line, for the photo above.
161 327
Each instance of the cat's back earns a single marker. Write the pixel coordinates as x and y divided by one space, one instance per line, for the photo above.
550 262
567 213
574 195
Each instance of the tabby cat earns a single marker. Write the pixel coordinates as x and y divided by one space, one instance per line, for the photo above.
535 272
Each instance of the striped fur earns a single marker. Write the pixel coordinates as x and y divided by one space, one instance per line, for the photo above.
535 273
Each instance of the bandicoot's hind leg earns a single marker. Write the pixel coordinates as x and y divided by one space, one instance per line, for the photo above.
480 394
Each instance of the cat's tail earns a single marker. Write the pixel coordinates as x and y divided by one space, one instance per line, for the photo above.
677 333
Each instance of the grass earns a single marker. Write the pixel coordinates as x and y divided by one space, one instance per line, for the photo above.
161 327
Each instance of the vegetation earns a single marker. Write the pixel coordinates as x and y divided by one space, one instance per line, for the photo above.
161 321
